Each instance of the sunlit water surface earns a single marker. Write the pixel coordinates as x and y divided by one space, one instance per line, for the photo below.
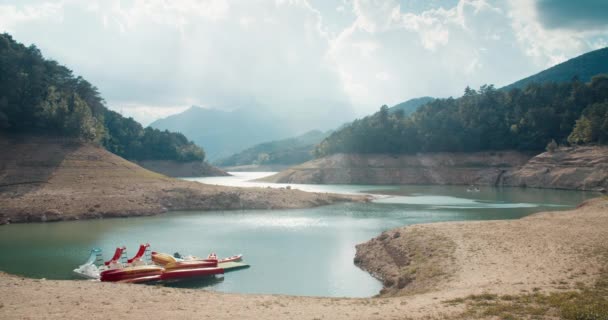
300 252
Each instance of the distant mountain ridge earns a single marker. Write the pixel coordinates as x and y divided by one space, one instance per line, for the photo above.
281 152
584 67
296 150
410 106
224 133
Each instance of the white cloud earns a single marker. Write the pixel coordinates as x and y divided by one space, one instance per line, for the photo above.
313 58
383 76
12 16
436 52
213 53
548 46
374 15
440 50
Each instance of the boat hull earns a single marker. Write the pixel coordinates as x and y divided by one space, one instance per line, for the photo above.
130 272
177 274
144 279
193 264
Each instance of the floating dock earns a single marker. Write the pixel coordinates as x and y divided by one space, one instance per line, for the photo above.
232 266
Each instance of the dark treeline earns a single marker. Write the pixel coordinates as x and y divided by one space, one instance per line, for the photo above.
39 96
128 139
487 119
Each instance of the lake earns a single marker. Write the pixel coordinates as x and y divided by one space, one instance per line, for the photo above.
300 252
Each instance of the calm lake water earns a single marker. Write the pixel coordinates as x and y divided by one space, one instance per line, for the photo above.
300 252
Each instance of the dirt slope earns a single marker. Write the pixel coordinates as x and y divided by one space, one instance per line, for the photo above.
580 168
482 168
545 250
47 179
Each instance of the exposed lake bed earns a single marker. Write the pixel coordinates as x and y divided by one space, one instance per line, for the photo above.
554 254
298 252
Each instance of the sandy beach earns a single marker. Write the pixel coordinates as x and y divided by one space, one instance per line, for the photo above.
444 264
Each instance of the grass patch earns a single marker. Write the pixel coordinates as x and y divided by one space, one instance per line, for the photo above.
429 255
584 303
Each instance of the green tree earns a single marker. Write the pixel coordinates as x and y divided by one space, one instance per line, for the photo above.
582 132
593 125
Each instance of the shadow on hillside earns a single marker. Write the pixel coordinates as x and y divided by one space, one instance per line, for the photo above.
27 163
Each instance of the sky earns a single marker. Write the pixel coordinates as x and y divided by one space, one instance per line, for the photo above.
314 59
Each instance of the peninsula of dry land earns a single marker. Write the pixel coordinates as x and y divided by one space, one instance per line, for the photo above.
53 179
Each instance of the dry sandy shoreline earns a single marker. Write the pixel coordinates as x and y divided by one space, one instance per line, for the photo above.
545 252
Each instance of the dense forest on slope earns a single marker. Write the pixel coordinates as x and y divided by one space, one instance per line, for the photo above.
128 139
40 96
487 119
583 67
282 152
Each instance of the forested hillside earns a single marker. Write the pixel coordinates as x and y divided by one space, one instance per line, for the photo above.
282 152
487 119
40 96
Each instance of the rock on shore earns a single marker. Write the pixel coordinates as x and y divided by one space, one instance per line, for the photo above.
580 168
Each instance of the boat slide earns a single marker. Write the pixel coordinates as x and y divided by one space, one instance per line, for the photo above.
119 254
144 249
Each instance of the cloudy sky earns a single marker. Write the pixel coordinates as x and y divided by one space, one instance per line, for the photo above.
315 58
